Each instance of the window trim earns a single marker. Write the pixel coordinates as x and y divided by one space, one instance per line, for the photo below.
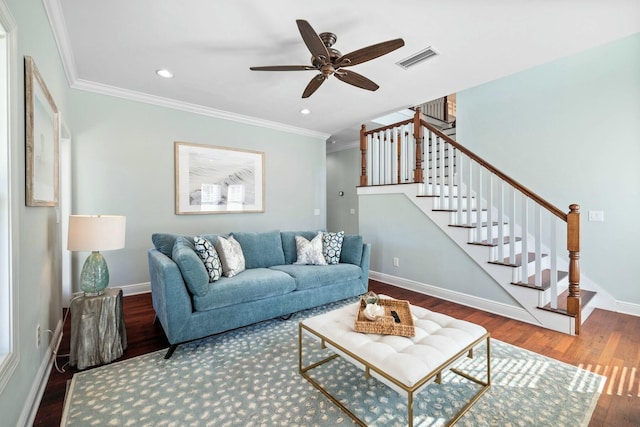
9 355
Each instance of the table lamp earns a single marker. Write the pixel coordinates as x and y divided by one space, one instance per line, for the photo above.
95 233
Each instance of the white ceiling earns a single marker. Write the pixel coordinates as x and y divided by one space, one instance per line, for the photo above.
115 47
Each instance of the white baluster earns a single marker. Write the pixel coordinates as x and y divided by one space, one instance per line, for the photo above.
512 225
490 210
501 220
459 183
553 253
538 245
441 163
524 277
470 204
479 195
451 172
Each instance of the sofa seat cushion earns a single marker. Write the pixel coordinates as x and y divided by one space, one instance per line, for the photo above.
252 284
314 276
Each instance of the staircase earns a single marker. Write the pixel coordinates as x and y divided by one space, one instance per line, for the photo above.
509 231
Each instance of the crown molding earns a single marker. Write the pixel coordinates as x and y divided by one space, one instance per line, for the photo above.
53 9
190 108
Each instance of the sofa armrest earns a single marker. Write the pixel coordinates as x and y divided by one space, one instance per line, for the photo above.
364 263
171 300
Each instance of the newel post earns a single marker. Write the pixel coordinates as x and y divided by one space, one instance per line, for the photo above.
573 246
363 160
418 134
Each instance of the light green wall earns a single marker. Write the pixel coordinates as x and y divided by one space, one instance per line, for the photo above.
570 131
122 162
396 227
343 176
37 239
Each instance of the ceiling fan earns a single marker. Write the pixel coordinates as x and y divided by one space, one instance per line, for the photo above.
330 61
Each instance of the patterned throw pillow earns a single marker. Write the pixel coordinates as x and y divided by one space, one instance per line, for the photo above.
310 252
209 256
231 256
332 246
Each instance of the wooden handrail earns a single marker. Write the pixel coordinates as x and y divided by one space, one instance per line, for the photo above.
391 126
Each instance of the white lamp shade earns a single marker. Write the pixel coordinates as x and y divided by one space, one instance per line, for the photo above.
96 232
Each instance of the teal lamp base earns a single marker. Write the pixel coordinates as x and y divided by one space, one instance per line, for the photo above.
94 277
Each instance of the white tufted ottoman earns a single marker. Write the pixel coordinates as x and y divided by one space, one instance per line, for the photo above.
404 364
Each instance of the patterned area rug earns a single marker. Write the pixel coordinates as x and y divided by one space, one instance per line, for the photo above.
249 377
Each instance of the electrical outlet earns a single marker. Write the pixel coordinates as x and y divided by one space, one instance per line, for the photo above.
38 336
396 261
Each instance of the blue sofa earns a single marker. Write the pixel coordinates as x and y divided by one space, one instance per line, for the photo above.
189 307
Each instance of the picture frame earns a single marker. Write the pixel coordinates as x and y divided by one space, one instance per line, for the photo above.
42 128
211 179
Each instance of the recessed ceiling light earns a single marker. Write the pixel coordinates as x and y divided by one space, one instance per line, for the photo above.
164 73
305 111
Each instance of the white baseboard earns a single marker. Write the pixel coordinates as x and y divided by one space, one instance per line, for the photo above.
136 288
510 311
628 308
32 402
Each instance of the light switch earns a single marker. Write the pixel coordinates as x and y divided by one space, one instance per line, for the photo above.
596 216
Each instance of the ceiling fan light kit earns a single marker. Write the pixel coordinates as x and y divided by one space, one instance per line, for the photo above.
329 61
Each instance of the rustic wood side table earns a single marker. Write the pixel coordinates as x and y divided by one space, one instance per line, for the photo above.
98 333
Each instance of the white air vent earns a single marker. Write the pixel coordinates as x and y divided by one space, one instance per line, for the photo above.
416 58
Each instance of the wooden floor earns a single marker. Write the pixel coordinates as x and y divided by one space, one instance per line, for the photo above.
609 344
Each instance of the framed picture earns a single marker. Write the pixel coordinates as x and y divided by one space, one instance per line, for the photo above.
42 124
218 180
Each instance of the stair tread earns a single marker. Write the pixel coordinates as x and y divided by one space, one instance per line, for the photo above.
484 224
494 242
545 282
585 295
518 261
456 210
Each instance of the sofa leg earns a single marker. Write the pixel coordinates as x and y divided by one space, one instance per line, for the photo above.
286 317
170 351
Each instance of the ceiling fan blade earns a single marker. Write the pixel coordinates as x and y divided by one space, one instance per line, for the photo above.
356 79
313 85
283 68
312 40
368 53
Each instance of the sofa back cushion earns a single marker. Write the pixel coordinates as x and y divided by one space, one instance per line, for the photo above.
289 243
164 242
351 249
261 250
191 266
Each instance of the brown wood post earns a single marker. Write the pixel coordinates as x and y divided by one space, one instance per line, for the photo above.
363 160
419 137
574 301
445 112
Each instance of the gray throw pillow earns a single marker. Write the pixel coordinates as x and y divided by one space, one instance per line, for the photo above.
310 252
231 256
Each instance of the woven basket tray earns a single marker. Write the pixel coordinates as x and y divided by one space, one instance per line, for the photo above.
386 325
